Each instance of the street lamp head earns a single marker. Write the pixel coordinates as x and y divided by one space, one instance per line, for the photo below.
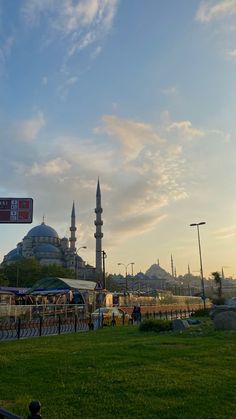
197 224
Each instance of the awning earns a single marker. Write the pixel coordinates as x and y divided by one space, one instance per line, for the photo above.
62 284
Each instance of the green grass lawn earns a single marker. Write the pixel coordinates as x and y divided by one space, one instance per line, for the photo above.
122 373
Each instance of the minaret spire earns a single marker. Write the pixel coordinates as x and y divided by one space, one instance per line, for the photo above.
98 234
172 266
73 229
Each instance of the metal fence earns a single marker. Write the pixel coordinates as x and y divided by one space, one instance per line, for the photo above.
7 414
43 326
30 312
169 314
70 320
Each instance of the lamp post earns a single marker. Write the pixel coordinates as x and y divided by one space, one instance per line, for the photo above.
76 267
132 273
104 256
126 267
200 257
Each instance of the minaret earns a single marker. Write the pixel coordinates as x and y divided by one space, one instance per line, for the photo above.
98 235
73 229
172 266
189 272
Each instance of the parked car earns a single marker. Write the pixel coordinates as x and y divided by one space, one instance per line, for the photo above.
109 316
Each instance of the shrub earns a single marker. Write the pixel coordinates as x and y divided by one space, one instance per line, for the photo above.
218 301
201 313
152 325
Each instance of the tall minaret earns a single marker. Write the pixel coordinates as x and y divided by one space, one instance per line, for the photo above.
73 229
172 266
98 235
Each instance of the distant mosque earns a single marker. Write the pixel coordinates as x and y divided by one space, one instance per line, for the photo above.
43 243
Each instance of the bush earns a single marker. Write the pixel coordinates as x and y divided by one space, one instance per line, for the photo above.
218 301
152 325
201 313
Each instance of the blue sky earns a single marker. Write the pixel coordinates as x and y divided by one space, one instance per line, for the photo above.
139 93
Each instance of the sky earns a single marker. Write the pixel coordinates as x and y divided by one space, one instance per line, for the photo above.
140 93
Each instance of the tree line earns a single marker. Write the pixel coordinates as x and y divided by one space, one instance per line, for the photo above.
27 271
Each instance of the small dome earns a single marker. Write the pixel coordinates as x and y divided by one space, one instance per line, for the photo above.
42 230
46 248
12 256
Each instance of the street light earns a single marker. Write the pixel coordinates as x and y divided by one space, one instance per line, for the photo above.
104 256
126 267
200 256
76 254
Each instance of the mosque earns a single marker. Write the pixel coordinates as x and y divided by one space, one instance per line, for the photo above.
43 243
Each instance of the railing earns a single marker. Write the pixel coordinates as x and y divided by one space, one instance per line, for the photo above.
72 320
30 312
169 315
40 326
102 320
6 414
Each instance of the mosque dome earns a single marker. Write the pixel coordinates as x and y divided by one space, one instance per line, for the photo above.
46 248
13 256
42 230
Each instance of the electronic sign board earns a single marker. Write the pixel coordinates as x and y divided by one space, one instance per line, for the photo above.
16 210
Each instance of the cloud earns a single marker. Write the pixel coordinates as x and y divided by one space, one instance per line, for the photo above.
142 172
170 91
130 134
134 226
226 137
28 130
212 10
95 52
49 168
185 129
232 53
81 22
226 233
5 50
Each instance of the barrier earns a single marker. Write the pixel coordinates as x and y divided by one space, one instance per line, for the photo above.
76 322
43 326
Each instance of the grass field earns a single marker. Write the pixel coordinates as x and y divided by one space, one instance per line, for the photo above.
122 373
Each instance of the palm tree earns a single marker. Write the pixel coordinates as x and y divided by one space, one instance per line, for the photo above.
218 280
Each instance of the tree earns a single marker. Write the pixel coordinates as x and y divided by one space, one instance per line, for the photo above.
55 270
218 281
22 273
3 279
26 271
